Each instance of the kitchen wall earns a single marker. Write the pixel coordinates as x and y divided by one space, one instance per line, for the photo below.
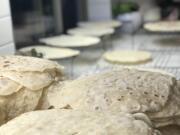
99 10
6 34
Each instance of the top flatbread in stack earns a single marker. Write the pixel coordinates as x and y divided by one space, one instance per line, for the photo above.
23 81
123 90
71 122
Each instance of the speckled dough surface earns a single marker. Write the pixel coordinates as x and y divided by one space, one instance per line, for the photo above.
19 63
22 82
71 122
127 90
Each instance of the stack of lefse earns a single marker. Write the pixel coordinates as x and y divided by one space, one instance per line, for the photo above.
128 96
23 84
154 93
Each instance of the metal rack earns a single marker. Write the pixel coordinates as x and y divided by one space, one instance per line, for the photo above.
167 43
165 58
174 71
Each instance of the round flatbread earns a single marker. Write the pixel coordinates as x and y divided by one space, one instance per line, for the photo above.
71 122
163 26
127 57
101 24
71 41
117 90
95 32
122 90
52 53
29 64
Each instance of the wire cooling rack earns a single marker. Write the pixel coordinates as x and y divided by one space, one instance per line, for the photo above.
158 42
165 60
165 51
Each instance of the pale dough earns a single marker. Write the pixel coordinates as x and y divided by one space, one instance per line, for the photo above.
74 122
71 41
163 26
102 24
92 31
23 81
52 53
127 56
122 90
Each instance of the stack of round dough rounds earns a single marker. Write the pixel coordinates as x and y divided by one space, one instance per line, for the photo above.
51 52
95 32
100 24
127 57
123 90
163 26
71 41
22 83
72 122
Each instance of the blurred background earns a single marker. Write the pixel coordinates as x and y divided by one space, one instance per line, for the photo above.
38 18
23 23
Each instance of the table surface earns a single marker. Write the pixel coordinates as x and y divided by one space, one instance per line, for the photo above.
165 49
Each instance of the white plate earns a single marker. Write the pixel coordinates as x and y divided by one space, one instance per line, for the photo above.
71 41
51 52
102 24
91 31
163 26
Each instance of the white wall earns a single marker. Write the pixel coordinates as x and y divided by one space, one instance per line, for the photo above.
99 10
6 34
